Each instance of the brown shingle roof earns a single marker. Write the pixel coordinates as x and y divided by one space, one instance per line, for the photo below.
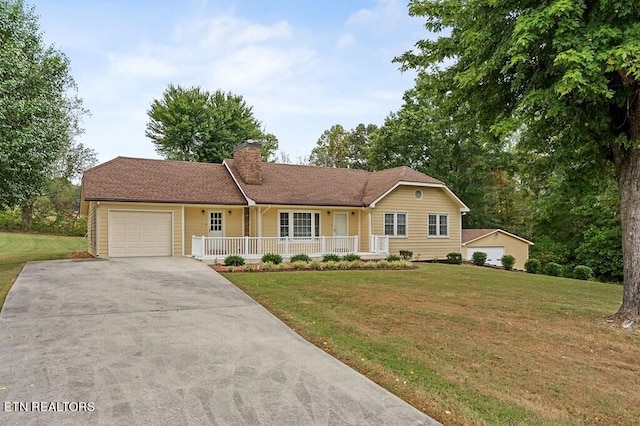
144 180
472 234
469 235
325 186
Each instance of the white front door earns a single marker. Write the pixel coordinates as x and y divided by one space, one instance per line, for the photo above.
216 229
340 229
216 225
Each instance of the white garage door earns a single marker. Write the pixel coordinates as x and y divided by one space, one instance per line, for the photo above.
494 254
139 233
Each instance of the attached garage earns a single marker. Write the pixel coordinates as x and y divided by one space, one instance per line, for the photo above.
496 243
140 233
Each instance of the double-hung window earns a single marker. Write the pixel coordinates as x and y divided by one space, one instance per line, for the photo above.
299 224
438 225
395 224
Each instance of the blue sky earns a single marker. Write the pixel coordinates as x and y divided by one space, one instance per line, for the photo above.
303 65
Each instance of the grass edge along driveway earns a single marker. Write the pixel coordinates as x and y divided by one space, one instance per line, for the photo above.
469 345
16 249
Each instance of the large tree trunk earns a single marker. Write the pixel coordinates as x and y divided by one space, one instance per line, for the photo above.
27 214
629 186
627 162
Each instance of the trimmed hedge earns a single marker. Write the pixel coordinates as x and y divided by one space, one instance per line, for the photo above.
274 258
234 260
454 258
532 266
479 258
507 262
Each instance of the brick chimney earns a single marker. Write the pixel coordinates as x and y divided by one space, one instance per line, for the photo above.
248 161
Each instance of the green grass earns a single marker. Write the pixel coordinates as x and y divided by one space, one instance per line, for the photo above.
469 345
17 249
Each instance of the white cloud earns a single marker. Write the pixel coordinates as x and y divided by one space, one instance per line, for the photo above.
384 15
346 40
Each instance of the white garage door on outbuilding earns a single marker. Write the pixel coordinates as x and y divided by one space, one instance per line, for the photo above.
494 254
496 243
140 233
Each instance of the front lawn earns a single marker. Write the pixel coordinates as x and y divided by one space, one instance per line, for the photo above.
17 249
470 345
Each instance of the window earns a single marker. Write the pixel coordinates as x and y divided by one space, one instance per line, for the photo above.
299 224
418 194
438 225
395 224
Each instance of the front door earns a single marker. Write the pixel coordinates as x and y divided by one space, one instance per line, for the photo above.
216 229
340 229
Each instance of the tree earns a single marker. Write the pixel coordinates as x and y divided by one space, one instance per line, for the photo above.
39 108
431 133
195 125
564 74
338 147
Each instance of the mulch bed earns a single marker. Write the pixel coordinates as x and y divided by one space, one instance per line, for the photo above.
79 255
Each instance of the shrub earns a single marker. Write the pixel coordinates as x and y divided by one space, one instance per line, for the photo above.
267 266
272 258
479 257
331 257
300 258
249 267
507 262
300 264
454 258
382 264
315 265
553 269
406 254
583 272
234 260
357 264
392 258
343 264
532 266
330 264
351 257
370 265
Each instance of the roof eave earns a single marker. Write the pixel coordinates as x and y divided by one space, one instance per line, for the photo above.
250 201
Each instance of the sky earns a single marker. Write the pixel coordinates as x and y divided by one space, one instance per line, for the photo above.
303 65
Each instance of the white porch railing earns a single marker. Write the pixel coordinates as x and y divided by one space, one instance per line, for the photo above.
211 247
379 244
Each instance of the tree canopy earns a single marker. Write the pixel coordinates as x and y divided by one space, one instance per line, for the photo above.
39 107
338 147
564 76
192 124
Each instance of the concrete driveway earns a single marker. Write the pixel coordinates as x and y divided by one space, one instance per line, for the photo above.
167 341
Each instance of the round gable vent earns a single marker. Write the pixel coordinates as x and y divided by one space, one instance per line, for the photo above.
418 194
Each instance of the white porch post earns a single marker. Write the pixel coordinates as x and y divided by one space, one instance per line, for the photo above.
246 245
323 244
356 245
202 246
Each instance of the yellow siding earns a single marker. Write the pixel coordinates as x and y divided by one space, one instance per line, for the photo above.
197 223
91 232
102 210
513 246
434 200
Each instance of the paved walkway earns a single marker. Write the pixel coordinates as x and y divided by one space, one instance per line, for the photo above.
167 341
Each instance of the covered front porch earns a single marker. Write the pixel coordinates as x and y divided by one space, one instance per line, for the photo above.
215 249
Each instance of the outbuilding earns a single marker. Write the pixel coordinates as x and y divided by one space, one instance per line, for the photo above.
495 243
